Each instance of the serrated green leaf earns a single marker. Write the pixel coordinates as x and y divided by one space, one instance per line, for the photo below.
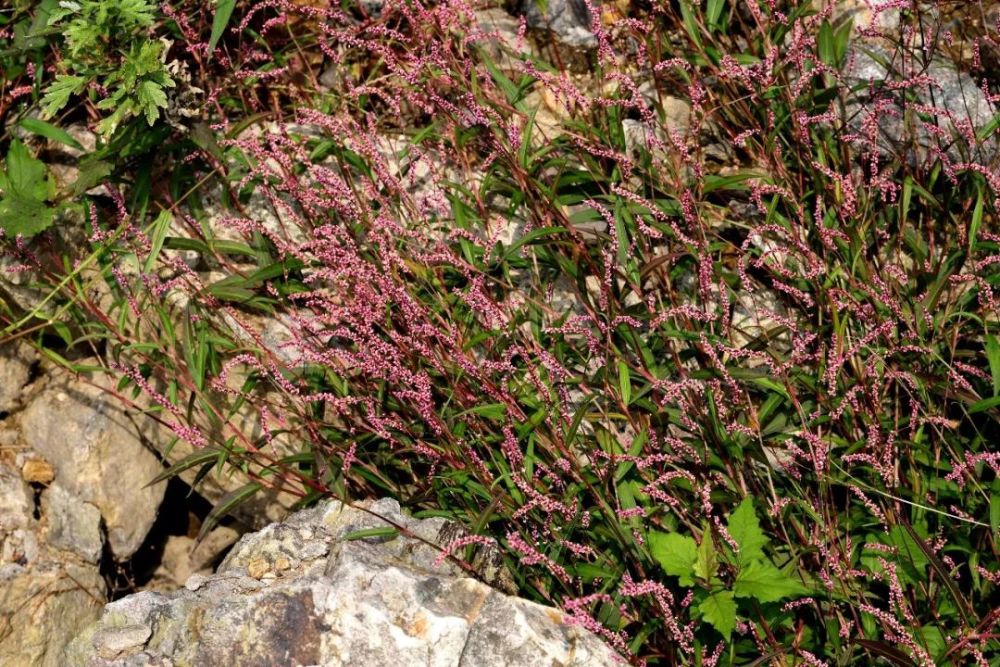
25 173
24 187
764 582
745 529
675 553
25 217
719 610
152 98
58 94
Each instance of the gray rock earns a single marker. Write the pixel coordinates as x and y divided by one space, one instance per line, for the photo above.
300 593
568 20
73 525
98 454
954 94
45 604
15 371
47 596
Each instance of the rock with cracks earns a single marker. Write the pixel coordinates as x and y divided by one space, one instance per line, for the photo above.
98 455
314 590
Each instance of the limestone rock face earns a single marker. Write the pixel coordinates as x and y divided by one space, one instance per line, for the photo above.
305 592
46 595
98 456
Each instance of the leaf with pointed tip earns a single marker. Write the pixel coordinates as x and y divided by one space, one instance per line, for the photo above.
676 554
226 504
766 583
719 610
707 563
745 529
191 460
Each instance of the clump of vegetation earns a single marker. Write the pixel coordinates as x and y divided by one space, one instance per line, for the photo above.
705 338
110 53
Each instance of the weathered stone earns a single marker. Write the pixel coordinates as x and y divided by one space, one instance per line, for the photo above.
568 20
98 455
44 605
299 592
47 596
503 46
15 371
73 525
957 100
38 471
182 557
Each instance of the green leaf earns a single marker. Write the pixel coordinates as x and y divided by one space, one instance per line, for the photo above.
58 94
719 610
984 405
158 234
24 188
745 529
624 382
27 217
191 460
92 172
49 131
993 356
530 237
223 12
977 221
385 531
151 97
675 553
707 563
766 583
713 11
827 45
909 553
995 511
25 174
226 504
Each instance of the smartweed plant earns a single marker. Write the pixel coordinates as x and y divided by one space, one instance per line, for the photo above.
698 326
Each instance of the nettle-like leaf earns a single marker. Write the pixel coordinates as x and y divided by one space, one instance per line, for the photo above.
151 98
25 189
58 94
719 609
764 582
676 554
745 529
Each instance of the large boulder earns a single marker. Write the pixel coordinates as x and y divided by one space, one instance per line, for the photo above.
315 591
98 453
